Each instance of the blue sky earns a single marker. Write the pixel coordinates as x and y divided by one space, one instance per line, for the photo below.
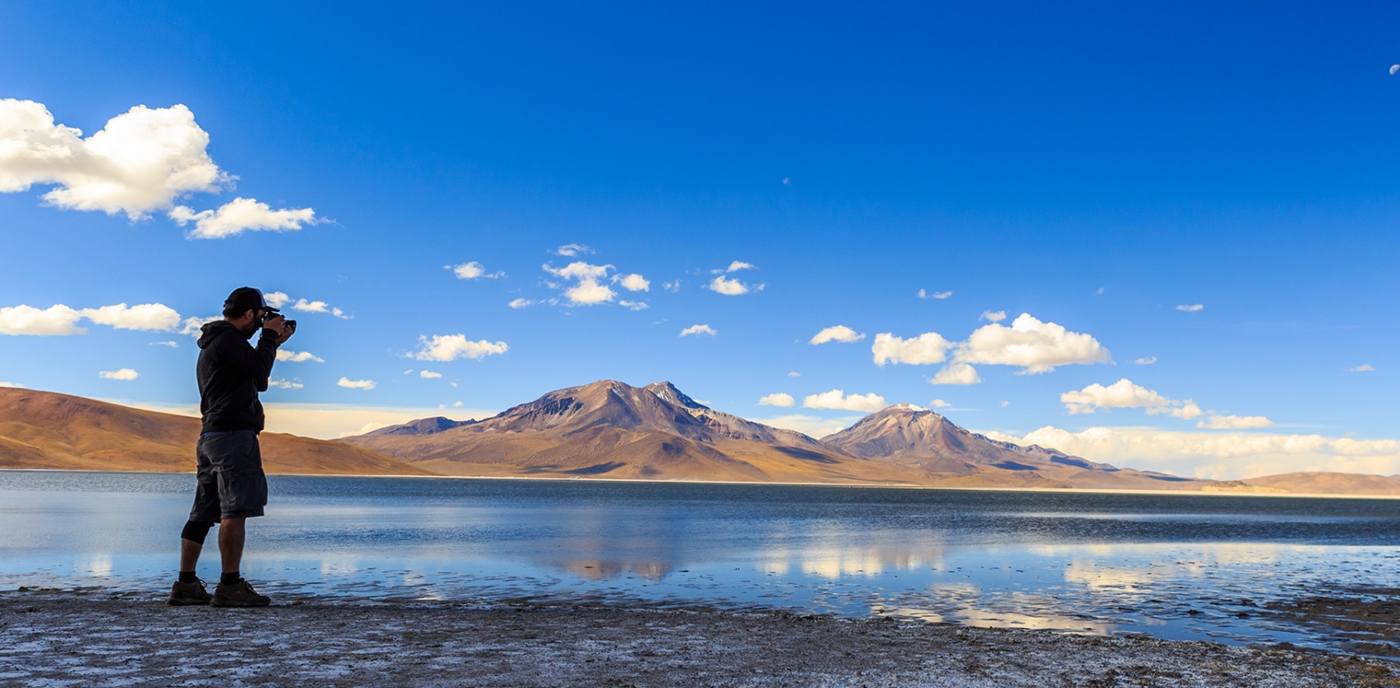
1095 167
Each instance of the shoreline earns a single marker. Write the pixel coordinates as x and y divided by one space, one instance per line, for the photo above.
902 486
124 638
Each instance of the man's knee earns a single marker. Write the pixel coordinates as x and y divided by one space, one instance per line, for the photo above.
196 531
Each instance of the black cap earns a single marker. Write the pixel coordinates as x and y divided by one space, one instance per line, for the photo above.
244 298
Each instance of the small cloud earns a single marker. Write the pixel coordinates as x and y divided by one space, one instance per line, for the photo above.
173 345
727 286
1004 404
956 374
1146 360
1394 68
473 270
356 384
836 399
632 282
242 215
699 330
1363 368
285 384
939 403
152 317
276 299
634 305
671 286
571 250
12 385
289 356
1190 308
837 333
521 303
450 347
122 374
925 349
794 374
777 399
456 404
940 295
1215 422
588 291
408 372
788 180
1100 291
739 265
992 316
430 375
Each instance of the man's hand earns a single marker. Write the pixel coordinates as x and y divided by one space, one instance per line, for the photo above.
278 325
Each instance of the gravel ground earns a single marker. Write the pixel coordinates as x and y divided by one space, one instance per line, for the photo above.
97 638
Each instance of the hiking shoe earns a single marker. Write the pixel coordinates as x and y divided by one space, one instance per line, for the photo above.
185 594
240 594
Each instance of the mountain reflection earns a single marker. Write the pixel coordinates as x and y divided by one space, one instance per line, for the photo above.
598 570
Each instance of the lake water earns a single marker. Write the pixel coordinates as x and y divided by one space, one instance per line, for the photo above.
1183 567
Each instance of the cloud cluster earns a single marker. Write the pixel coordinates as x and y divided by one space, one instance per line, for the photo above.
1215 455
587 290
836 399
731 286
473 270
837 333
699 330
1032 345
1125 394
139 163
61 321
450 347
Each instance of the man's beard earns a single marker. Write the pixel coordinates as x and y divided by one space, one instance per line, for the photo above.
250 329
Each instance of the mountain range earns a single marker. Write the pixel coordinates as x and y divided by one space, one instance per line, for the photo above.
612 430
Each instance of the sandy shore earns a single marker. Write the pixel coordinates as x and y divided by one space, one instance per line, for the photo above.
97 638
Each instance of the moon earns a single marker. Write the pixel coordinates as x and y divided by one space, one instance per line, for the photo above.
1394 69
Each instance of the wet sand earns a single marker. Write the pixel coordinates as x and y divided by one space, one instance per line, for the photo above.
101 638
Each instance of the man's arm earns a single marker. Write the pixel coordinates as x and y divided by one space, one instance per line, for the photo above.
253 362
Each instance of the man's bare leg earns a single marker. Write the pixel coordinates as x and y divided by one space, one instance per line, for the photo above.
189 554
231 536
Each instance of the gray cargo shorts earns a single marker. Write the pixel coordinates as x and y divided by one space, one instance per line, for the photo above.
231 480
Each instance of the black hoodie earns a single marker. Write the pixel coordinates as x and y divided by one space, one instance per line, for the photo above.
231 374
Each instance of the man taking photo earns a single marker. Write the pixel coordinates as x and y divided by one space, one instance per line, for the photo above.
231 485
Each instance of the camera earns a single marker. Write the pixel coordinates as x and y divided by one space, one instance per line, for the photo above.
290 324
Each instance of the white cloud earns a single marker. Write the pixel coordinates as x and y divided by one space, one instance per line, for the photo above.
242 215
588 291
736 266
356 384
1218 455
727 286
122 374
1363 368
794 373
311 306
473 270
55 321
777 399
141 161
1004 404
671 286
837 333
939 403
634 305
1215 422
571 250
153 317
12 385
290 356
1190 308
632 282
956 374
1035 346
520 303
935 295
925 349
450 347
192 325
173 345
285 384
1146 360
428 374
835 399
991 316
1125 394
698 330
276 299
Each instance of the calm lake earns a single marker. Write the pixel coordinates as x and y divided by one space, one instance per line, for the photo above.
1184 567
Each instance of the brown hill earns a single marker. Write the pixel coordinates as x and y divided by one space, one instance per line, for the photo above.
907 435
1329 483
48 430
613 430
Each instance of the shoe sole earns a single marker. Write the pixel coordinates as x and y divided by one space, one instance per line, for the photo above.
216 602
186 602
